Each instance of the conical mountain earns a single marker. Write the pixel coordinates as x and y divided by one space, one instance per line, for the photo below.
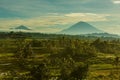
22 27
81 28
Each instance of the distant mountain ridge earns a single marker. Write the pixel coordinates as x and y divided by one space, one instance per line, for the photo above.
81 28
103 35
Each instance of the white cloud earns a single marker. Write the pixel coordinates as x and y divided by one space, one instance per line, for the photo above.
81 14
75 14
116 1
88 16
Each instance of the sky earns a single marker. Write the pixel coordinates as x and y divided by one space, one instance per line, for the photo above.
55 15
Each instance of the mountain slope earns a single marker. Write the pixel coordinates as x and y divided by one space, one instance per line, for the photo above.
22 27
81 28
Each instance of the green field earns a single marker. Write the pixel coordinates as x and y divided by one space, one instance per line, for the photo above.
59 59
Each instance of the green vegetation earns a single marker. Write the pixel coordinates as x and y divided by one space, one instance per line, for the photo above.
58 57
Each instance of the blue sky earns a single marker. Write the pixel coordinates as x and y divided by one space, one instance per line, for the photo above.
55 15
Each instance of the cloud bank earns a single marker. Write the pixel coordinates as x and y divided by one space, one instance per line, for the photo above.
54 19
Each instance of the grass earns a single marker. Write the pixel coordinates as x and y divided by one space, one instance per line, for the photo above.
103 55
102 66
100 71
6 55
